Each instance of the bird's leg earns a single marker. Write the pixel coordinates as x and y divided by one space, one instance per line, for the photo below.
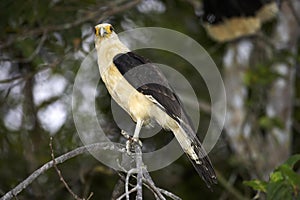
138 127
135 137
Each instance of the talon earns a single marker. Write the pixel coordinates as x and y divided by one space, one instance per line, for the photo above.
125 134
136 140
128 147
130 140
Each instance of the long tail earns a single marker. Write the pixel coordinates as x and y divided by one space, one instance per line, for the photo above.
197 155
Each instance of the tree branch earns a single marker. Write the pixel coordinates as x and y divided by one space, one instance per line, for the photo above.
95 15
143 177
139 165
62 178
78 151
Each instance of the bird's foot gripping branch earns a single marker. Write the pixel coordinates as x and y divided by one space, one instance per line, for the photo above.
130 143
139 173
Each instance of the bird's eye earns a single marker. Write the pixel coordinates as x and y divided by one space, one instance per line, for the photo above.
111 28
95 31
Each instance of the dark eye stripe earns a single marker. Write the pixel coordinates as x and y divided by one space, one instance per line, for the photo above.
111 28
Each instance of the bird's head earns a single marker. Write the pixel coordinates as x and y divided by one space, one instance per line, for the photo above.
104 30
107 41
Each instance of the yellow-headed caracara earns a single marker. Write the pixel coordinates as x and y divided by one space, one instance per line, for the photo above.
227 20
150 101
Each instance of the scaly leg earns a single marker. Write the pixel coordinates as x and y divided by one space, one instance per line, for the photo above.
138 127
135 137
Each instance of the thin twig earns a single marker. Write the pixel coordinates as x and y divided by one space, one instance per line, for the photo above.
46 66
129 173
61 178
229 187
143 177
148 183
90 16
10 79
169 194
37 50
78 151
138 188
32 56
146 178
127 193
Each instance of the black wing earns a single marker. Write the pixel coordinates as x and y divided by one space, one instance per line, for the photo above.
148 79
216 11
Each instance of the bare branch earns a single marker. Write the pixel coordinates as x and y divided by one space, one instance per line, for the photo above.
169 194
10 79
156 191
127 194
61 178
139 165
31 74
148 183
143 177
32 56
113 9
78 151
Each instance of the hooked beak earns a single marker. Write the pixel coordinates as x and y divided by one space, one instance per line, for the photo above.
102 31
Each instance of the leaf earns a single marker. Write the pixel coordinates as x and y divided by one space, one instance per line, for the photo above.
293 160
257 185
279 190
267 122
292 177
276 176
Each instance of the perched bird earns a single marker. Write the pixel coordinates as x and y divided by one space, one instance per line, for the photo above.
146 100
226 20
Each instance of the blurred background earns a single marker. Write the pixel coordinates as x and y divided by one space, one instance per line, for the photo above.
42 44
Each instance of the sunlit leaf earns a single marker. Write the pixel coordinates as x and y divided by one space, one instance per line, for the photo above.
257 185
276 176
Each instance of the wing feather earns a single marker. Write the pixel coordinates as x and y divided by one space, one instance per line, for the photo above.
148 80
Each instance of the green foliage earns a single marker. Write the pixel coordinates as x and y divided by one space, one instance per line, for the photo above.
257 185
270 122
284 182
261 75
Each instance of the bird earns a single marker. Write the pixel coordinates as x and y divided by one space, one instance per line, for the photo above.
147 101
227 20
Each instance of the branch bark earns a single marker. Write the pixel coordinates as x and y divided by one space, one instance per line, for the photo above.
95 15
78 151
143 177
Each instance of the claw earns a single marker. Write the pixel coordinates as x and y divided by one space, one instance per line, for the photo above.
128 147
139 142
130 141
